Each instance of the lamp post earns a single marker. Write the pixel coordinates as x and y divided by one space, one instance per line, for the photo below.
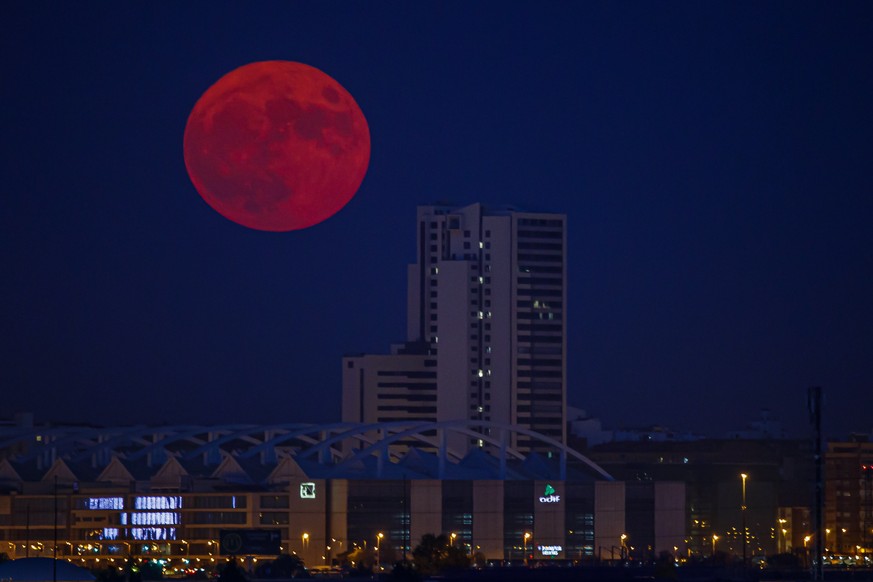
624 554
714 539
379 537
744 476
526 537
806 548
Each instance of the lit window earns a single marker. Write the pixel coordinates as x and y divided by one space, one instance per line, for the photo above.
481 373
481 245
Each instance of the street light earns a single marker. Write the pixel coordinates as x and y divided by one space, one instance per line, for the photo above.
453 536
805 548
623 546
526 537
743 510
379 537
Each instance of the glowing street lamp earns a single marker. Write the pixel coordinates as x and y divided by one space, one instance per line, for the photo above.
305 539
379 537
527 536
714 539
805 548
453 536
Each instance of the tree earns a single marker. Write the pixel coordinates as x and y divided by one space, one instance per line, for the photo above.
232 573
284 566
665 565
151 571
362 560
108 575
436 554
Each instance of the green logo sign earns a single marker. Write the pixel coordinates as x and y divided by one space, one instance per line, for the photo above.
550 496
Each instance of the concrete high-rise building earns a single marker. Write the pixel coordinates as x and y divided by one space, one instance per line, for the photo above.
485 331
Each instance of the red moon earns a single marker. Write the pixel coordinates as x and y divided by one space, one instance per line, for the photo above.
277 146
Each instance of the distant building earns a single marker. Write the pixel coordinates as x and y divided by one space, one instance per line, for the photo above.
191 495
486 321
849 495
764 428
586 431
779 487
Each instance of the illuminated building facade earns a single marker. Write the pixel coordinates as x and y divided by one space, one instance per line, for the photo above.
174 493
779 488
849 496
486 320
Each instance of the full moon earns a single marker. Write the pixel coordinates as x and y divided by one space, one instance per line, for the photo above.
276 146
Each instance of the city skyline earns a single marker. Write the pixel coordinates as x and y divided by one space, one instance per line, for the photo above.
712 162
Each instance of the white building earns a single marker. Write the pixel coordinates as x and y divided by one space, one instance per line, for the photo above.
486 323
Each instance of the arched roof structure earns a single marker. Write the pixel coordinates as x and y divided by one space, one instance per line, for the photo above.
334 450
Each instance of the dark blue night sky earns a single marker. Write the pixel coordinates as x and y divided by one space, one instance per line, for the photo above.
715 161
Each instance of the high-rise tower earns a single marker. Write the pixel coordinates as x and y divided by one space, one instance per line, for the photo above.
486 326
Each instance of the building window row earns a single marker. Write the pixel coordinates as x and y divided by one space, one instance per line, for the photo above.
539 269
545 258
540 293
543 339
556 281
407 385
540 246
540 222
406 408
407 397
540 234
